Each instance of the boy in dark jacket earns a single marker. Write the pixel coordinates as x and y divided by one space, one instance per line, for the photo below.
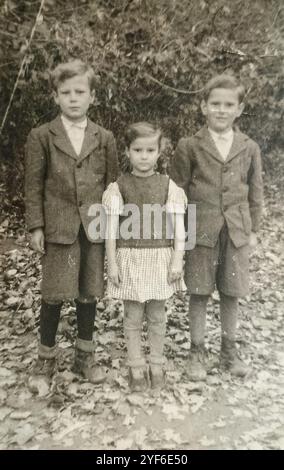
220 171
69 163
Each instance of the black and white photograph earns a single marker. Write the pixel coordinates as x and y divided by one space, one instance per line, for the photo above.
141 228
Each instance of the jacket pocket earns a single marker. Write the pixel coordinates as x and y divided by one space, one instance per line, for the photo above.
244 209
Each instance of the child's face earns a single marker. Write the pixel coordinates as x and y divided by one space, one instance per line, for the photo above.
74 97
143 154
221 109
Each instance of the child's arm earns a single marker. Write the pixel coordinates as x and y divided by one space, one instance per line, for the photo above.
176 267
113 272
180 169
112 160
255 194
35 166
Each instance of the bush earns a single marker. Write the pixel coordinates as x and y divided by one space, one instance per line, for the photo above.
151 58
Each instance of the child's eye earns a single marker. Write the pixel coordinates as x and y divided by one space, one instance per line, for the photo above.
151 150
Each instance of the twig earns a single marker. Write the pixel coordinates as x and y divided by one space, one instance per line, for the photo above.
177 90
22 67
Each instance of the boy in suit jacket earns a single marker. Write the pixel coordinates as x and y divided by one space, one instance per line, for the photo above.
220 171
69 163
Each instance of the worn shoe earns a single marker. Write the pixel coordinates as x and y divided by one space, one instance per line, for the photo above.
157 376
44 367
138 379
196 371
230 360
85 366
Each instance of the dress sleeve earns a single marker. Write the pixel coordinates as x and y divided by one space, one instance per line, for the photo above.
177 200
112 200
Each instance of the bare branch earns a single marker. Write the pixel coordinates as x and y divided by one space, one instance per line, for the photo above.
177 90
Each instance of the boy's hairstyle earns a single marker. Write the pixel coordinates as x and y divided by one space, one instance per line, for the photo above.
69 70
142 129
224 81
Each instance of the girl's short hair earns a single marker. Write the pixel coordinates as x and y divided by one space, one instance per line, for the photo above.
71 69
142 129
224 81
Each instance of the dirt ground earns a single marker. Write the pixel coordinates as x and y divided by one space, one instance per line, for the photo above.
223 413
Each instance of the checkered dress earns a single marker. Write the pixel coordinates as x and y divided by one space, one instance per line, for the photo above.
144 271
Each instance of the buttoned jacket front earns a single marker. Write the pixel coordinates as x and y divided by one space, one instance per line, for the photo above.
60 187
228 191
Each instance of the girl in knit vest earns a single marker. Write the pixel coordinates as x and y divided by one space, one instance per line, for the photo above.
144 250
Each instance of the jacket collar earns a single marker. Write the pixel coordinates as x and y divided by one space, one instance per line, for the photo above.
62 141
207 143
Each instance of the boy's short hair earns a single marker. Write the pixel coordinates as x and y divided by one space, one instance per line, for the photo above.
142 129
224 81
71 69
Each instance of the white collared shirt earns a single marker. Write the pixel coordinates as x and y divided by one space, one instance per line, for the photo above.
75 132
223 142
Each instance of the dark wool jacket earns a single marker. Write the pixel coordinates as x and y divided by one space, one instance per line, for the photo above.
228 191
60 186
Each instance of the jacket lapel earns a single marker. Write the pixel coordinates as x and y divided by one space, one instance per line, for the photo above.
239 144
91 140
208 144
61 139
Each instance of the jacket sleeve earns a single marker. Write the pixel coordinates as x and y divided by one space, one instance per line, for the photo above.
35 166
180 170
255 195
112 160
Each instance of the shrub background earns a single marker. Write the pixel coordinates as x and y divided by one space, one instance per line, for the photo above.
151 59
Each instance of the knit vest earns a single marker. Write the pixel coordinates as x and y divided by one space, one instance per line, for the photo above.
145 223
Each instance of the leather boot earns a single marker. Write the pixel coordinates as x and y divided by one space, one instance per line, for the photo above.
85 364
230 360
196 371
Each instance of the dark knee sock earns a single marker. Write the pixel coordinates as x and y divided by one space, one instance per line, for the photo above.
229 307
86 313
49 319
197 316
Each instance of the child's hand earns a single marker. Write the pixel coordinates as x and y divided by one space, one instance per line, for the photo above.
113 274
37 240
175 271
253 240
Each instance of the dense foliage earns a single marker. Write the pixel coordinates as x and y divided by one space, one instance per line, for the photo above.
151 58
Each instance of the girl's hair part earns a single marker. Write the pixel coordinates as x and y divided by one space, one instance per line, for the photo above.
142 129
71 69
226 81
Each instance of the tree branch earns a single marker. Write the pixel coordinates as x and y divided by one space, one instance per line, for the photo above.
167 87
22 67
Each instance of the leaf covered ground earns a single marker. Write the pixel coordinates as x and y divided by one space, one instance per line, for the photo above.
223 413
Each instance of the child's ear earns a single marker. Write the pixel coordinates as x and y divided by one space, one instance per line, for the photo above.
55 97
241 108
93 96
203 106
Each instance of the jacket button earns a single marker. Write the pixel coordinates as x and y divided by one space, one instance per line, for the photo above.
225 189
79 165
80 203
225 169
